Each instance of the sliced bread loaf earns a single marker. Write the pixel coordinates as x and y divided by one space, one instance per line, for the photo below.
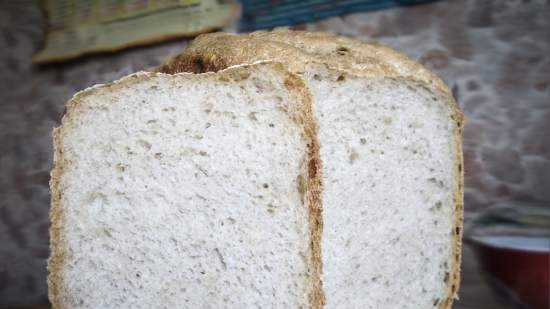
389 132
187 191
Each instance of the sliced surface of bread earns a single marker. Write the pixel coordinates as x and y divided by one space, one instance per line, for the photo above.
389 132
187 191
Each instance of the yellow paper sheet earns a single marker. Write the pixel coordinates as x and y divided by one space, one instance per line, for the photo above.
77 27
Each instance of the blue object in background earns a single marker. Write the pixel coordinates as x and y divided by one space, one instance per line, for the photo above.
262 14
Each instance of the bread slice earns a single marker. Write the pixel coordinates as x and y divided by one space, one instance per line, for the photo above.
187 191
389 132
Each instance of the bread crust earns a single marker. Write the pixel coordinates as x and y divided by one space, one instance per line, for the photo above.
293 48
310 190
57 247
313 187
296 49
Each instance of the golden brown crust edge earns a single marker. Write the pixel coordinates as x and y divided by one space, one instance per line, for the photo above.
458 222
206 55
314 187
312 171
57 249
361 52
340 52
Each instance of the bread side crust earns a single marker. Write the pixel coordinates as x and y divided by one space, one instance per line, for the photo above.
311 172
217 51
313 186
57 248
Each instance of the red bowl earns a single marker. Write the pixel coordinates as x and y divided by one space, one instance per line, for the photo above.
520 264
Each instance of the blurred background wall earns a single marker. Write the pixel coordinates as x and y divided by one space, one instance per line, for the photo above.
494 54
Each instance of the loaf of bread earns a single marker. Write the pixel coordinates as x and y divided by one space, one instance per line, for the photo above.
277 169
187 191
390 138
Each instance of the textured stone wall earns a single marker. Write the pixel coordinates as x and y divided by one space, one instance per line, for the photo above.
495 55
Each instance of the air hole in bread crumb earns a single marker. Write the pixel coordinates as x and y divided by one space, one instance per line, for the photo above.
145 144
231 220
446 277
252 116
436 301
457 230
301 185
353 157
271 125
208 125
151 121
158 155
342 50
120 167
363 141
265 185
341 78
316 77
